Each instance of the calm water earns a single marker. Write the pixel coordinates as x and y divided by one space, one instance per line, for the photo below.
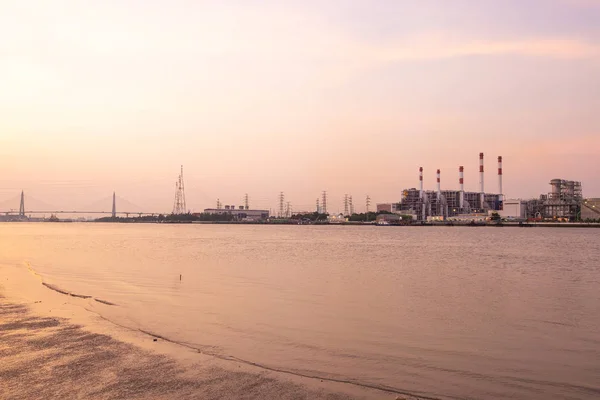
483 313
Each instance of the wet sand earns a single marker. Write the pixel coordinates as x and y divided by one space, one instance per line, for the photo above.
55 348
46 357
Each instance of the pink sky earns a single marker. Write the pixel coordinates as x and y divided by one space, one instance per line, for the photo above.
294 96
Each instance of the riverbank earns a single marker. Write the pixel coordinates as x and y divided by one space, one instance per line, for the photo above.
52 346
323 223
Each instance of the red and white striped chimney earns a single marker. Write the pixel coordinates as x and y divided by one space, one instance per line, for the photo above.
439 189
481 191
481 172
420 182
500 178
461 181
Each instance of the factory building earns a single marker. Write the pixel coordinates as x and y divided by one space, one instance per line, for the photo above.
444 204
240 213
564 202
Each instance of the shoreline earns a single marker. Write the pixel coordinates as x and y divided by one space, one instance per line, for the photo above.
454 224
52 345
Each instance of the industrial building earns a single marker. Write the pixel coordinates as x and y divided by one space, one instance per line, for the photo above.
389 207
514 209
443 204
240 213
562 203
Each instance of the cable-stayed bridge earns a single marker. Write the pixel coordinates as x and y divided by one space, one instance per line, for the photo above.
107 206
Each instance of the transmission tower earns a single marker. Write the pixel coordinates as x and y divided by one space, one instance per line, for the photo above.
246 202
22 205
324 203
179 206
318 207
218 204
351 205
368 206
288 210
346 204
281 201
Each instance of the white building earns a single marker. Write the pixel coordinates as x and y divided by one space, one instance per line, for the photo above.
514 208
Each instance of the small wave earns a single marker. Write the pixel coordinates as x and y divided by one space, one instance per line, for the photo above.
34 272
52 287
61 291
65 292
108 303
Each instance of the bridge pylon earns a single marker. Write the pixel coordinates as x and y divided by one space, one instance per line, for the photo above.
114 206
22 206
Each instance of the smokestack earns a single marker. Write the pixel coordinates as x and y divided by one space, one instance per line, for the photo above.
481 191
420 182
500 176
461 181
500 197
481 173
439 191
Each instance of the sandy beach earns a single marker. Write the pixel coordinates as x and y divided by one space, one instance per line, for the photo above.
52 347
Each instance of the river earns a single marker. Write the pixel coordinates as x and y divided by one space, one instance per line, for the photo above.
443 312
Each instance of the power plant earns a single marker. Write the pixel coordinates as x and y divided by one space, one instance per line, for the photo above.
441 204
564 202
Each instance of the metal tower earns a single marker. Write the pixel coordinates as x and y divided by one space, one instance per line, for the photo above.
22 206
351 205
114 206
246 202
179 206
218 204
318 207
346 204
368 203
281 201
324 203
288 210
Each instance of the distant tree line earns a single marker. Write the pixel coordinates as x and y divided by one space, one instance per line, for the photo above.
362 217
172 218
592 221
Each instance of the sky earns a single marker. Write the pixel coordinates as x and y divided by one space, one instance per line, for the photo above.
270 96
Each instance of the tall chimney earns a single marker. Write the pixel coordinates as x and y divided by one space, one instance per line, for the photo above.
461 181
420 182
501 196
439 191
500 175
482 192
